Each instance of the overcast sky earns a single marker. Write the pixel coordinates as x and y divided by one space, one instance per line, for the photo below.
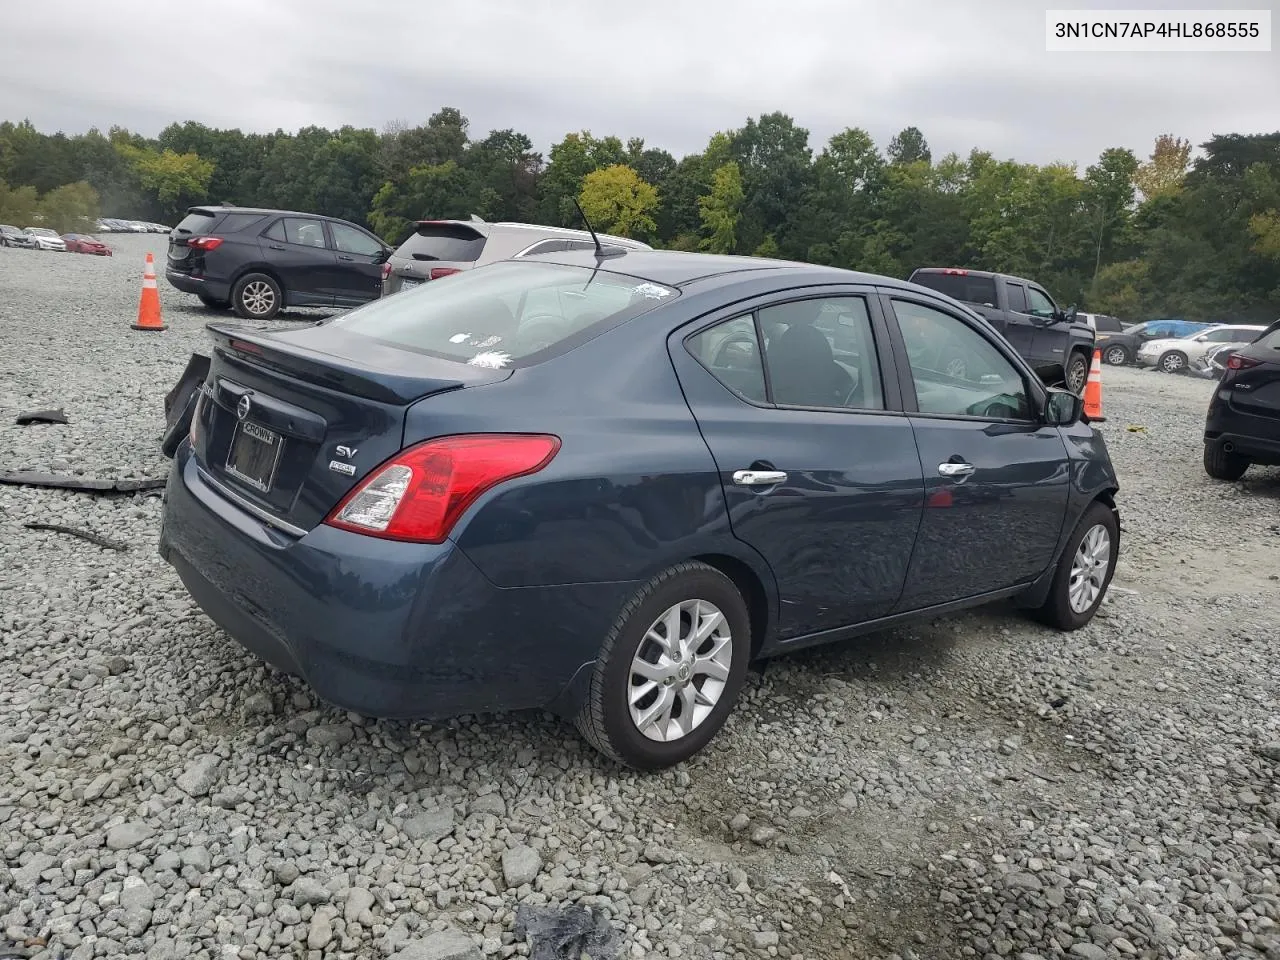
671 71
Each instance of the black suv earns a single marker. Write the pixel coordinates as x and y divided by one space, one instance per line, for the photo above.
260 261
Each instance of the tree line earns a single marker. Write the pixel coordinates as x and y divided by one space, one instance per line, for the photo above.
1160 235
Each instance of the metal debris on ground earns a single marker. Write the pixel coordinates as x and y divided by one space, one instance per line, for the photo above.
41 416
566 933
82 534
24 478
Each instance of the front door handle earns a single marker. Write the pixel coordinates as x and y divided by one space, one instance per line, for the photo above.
344 257
276 246
758 478
955 469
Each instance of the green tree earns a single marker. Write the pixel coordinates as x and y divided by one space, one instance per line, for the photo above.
171 180
430 192
721 208
571 160
616 200
909 146
18 205
70 208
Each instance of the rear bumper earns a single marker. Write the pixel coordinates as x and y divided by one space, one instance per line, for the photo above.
395 630
1257 438
218 289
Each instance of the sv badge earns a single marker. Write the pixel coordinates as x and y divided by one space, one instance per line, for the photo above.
346 453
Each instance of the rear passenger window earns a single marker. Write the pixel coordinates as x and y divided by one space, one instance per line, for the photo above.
820 353
306 233
731 352
1109 325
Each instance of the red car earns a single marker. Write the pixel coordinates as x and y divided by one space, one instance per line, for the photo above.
79 243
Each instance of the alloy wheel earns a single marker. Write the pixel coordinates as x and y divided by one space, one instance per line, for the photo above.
1089 568
680 670
258 297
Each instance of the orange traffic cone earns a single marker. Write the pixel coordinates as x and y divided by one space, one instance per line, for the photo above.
1093 390
149 305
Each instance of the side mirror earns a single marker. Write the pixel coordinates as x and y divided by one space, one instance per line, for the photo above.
1066 316
1063 408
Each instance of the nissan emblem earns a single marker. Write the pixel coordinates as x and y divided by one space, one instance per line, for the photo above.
242 408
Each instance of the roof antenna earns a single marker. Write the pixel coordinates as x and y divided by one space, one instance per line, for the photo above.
601 254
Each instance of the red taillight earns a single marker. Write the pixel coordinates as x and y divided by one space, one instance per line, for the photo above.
205 243
386 270
419 494
1237 362
438 272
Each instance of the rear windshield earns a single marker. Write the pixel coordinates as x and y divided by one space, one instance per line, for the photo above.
963 287
1271 338
455 242
197 221
508 314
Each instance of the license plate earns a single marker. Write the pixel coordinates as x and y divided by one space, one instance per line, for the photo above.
254 455
406 282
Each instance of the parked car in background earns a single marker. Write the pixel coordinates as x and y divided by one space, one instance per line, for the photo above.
1102 323
1054 341
1121 348
1179 354
606 486
1243 423
259 261
46 239
439 248
1214 362
13 237
82 243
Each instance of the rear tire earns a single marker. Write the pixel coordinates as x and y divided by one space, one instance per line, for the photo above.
1116 356
213 303
1081 581
257 296
637 672
1222 465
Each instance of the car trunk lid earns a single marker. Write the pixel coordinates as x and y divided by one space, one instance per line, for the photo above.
290 421
435 249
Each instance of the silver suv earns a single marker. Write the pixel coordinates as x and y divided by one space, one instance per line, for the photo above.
437 248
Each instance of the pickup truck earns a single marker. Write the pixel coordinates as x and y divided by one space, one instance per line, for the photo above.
1057 343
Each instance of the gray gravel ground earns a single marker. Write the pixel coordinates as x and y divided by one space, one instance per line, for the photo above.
975 787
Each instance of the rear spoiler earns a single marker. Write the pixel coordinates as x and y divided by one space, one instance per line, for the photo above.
384 373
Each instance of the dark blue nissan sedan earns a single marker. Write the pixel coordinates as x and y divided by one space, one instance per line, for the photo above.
604 484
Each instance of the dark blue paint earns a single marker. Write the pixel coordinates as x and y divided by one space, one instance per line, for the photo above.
511 610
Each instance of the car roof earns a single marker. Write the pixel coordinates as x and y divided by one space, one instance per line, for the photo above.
676 268
205 208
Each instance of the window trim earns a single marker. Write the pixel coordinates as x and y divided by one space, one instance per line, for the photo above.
890 387
1036 391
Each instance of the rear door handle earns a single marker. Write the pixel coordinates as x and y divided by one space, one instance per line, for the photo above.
342 256
955 469
758 478
276 246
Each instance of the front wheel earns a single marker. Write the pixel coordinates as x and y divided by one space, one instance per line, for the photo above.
1224 464
1172 362
669 670
257 296
1084 570
1116 356
1077 372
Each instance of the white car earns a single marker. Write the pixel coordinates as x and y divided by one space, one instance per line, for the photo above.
46 239
1176 356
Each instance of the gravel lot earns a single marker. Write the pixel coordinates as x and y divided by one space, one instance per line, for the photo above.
976 787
